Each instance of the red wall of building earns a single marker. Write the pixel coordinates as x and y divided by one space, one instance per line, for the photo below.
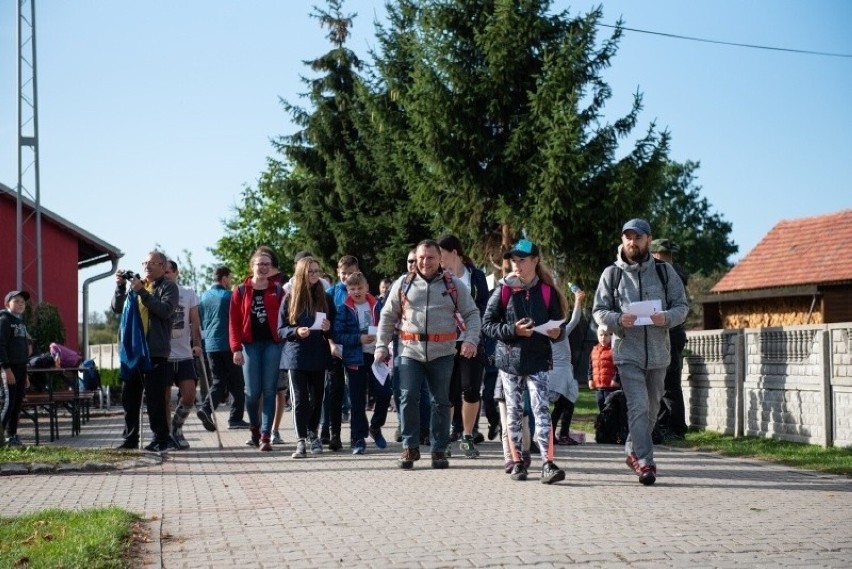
59 265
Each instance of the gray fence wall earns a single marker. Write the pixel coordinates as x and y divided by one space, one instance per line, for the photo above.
792 383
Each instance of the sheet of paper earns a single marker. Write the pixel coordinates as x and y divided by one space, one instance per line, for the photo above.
644 309
373 330
317 325
547 326
381 371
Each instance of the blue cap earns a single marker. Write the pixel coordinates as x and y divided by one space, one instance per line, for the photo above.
523 248
640 226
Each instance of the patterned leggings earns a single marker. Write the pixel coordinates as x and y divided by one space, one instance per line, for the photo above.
513 390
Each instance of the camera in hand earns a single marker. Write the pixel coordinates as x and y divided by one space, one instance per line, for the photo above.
127 275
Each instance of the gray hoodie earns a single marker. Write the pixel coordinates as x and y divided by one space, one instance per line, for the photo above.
645 346
429 309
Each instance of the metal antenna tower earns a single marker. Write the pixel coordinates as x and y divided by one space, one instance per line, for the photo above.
29 224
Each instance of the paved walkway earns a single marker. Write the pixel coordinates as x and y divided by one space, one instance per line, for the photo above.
239 507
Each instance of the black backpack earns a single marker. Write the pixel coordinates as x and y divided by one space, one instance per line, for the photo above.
611 425
41 361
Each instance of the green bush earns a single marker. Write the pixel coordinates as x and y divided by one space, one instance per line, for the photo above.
47 327
109 377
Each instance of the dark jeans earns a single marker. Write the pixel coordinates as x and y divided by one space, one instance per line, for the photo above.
308 391
332 407
15 399
359 379
563 409
153 384
227 377
672 415
492 412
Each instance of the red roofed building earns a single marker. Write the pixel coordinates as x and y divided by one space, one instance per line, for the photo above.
799 273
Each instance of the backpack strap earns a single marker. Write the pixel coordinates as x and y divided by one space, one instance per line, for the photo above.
663 275
451 289
506 294
403 291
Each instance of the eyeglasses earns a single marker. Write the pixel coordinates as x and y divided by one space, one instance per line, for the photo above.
151 263
316 272
412 260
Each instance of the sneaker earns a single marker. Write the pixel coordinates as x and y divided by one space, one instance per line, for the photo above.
171 444
155 446
378 438
509 466
206 420
519 471
632 462
360 447
14 441
179 439
566 440
325 438
239 424
316 446
301 452
468 447
648 474
128 445
276 438
265 443
397 435
455 435
526 458
551 473
254 441
493 431
334 444
408 457
478 438
439 460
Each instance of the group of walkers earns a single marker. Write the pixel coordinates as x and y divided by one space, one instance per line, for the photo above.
424 345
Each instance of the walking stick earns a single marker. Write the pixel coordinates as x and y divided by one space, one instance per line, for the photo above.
210 397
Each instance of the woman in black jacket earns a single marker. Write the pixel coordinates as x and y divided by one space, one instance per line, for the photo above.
525 299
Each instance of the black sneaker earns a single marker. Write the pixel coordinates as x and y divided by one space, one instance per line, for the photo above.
205 418
128 445
478 438
155 446
648 474
334 444
519 471
325 438
551 473
408 457
493 431
238 424
439 460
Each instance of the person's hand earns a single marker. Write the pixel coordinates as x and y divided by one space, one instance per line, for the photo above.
136 284
326 325
524 327
381 354
591 384
627 320
616 384
10 377
468 350
658 318
239 359
579 296
554 333
367 339
196 351
303 331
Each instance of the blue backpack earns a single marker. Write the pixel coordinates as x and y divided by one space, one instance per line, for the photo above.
90 379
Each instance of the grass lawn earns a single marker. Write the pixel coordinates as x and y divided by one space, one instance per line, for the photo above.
98 538
55 455
797 455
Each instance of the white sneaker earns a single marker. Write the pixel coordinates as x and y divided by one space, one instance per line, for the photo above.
316 446
300 450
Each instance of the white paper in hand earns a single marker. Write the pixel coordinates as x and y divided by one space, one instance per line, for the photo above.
381 371
317 325
548 326
643 311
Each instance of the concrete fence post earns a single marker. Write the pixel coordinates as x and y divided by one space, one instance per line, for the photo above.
739 383
827 399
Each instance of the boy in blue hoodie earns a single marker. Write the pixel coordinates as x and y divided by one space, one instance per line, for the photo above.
355 330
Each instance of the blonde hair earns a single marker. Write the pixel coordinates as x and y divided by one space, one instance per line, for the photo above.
546 277
304 297
356 279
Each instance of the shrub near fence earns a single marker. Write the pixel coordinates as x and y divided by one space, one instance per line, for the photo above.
792 383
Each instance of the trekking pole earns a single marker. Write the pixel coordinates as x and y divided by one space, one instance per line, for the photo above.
209 397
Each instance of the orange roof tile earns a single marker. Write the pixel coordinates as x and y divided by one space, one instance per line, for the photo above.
810 250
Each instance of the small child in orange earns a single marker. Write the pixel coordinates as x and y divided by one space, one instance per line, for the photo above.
603 375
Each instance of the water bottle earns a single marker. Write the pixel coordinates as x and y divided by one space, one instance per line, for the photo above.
574 288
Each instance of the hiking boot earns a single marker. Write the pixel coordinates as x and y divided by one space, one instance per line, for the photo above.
519 471
378 438
632 462
468 447
254 441
439 460
493 431
526 458
316 446
648 474
206 419
178 438
551 473
265 443
237 424
478 438
566 440
408 457
397 436
334 444
276 438
360 447
301 451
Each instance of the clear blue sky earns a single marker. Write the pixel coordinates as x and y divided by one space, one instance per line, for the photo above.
154 116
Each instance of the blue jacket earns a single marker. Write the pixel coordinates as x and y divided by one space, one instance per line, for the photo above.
213 312
338 293
307 354
347 329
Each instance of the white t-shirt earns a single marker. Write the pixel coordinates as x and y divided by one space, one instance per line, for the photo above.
365 320
181 330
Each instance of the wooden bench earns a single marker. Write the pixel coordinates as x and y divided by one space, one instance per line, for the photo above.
77 403
35 402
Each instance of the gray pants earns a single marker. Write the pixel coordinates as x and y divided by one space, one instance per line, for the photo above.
643 389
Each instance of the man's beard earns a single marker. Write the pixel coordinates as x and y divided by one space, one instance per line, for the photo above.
635 253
